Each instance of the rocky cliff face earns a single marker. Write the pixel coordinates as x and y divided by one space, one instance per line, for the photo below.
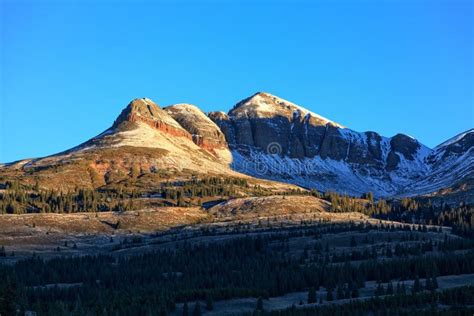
204 131
146 111
263 119
275 138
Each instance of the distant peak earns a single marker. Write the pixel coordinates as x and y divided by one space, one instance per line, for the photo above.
217 115
143 106
186 109
264 94
456 138
147 111
264 104
184 106
140 107
405 137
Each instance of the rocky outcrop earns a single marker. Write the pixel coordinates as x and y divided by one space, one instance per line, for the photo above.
205 133
146 111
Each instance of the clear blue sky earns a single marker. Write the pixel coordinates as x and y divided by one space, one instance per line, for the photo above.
69 67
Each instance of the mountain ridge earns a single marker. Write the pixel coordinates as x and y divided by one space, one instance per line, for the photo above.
267 137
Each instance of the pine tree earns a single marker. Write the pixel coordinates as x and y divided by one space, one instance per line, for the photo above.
379 290
8 298
209 303
185 309
355 293
416 285
434 282
197 309
312 295
353 242
329 296
389 289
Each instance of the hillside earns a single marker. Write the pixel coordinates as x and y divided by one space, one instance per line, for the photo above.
144 141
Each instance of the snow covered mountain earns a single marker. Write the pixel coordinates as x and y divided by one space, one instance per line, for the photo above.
276 139
262 136
451 167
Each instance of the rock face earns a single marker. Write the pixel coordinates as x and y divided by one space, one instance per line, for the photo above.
205 133
146 111
264 119
274 138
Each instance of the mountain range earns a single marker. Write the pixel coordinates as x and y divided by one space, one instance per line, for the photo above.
264 137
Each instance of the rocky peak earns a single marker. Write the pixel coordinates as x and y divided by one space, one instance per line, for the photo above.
148 112
218 115
458 144
264 119
204 131
265 105
453 148
406 145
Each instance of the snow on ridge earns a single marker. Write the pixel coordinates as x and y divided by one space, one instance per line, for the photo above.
322 174
352 135
454 139
187 109
424 151
446 173
192 113
260 105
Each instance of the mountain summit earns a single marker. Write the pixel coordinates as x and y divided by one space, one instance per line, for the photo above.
204 131
146 111
266 105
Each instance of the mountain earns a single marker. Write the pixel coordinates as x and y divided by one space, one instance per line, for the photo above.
205 133
144 139
274 138
263 136
451 170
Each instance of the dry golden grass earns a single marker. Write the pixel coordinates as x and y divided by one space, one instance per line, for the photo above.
15 229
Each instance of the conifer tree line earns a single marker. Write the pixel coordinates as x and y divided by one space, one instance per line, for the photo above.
455 302
408 210
242 267
20 199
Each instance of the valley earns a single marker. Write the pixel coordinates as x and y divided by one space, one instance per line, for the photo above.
226 266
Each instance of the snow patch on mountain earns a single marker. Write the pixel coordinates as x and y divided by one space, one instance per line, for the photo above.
264 104
322 174
454 139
